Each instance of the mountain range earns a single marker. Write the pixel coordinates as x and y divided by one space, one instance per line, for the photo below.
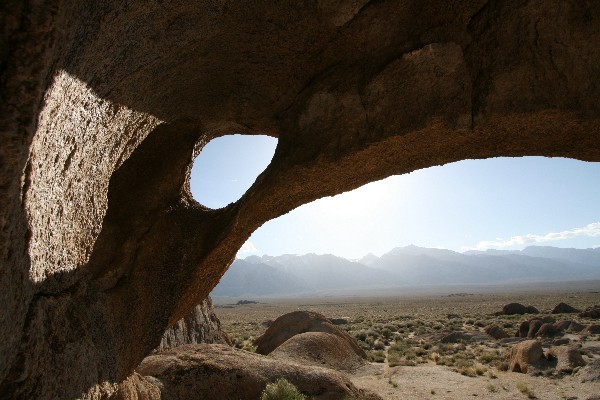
404 266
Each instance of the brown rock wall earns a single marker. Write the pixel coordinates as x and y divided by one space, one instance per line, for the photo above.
105 104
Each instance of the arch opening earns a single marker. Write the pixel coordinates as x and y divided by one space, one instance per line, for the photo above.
469 208
227 166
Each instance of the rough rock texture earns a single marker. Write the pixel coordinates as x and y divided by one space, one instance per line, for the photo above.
526 355
105 104
320 349
548 330
518 308
591 312
564 308
297 322
593 329
568 358
201 326
575 327
591 372
496 332
221 372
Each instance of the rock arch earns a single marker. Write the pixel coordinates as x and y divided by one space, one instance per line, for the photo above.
105 104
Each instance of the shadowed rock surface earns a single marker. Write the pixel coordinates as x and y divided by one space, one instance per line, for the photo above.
564 308
568 358
221 372
320 349
518 308
201 326
106 104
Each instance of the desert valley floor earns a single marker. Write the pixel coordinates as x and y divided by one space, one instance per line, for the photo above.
405 336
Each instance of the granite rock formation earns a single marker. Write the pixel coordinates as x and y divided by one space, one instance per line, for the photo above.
200 326
297 322
320 349
221 372
105 105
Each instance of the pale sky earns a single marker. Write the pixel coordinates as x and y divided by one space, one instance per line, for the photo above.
502 203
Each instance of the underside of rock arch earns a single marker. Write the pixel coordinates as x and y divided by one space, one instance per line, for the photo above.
106 104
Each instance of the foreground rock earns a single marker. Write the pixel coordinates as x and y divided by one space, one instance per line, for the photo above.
320 349
496 332
201 326
220 372
297 322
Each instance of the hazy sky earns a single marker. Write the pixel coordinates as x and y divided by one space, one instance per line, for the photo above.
503 203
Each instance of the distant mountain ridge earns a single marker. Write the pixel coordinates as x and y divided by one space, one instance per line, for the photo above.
411 265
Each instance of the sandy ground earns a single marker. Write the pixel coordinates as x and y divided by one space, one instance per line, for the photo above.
430 381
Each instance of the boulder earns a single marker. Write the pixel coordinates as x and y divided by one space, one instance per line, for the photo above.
593 329
568 358
298 322
575 327
525 356
591 312
320 349
496 332
460 336
564 308
214 371
563 325
591 372
547 331
201 326
534 326
518 308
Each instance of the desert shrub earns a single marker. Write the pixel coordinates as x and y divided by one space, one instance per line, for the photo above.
491 388
362 335
377 356
379 345
523 388
282 389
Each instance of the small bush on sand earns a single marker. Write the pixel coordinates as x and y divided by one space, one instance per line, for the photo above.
523 388
281 390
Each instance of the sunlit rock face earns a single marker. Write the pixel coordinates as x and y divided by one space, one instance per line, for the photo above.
106 104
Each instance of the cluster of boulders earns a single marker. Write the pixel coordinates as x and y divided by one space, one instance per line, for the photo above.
303 347
529 356
311 338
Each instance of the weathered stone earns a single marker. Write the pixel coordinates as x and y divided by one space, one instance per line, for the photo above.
563 308
320 349
526 355
576 327
593 329
547 330
291 324
568 358
496 332
221 372
201 326
106 104
591 312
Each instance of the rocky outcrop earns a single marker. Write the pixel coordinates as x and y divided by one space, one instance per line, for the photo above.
526 355
591 312
297 322
106 104
568 358
319 349
496 332
518 308
201 326
564 308
221 372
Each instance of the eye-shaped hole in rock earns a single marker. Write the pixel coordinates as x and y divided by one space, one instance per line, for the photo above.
227 166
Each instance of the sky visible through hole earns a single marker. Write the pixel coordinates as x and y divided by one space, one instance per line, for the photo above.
501 203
